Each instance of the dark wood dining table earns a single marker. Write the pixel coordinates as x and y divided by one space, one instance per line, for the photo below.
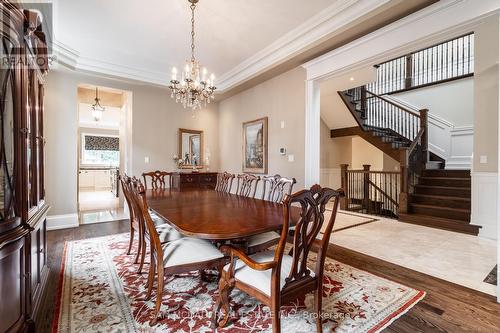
212 215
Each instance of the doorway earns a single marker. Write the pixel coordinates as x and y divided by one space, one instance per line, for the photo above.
101 112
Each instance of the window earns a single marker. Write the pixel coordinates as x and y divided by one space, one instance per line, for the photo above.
100 150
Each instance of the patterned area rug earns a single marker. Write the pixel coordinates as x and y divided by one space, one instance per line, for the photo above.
100 292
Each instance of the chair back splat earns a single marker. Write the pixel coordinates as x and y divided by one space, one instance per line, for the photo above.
276 187
157 179
224 182
247 185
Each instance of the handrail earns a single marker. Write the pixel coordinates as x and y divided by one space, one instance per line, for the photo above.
374 172
414 143
394 202
394 104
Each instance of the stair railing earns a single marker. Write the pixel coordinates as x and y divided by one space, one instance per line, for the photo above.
370 192
412 163
377 113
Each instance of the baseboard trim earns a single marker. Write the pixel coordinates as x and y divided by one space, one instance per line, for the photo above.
56 222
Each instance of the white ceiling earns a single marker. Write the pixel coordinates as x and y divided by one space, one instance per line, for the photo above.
333 110
153 35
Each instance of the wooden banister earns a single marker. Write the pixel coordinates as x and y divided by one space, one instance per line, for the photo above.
344 184
401 107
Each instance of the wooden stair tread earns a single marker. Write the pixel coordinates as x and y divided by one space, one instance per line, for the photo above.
440 207
444 197
445 178
442 187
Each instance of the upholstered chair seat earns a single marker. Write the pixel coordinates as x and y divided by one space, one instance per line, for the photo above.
261 280
263 241
187 250
167 233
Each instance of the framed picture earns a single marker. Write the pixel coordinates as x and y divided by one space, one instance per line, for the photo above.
255 146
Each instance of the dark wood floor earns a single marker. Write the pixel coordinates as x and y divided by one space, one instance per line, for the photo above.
446 308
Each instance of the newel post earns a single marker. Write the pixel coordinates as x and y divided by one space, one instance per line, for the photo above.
425 136
403 194
344 184
366 187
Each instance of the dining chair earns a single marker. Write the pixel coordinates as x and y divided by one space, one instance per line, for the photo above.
247 185
157 179
276 278
224 182
175 257
134 223
166 232
274 189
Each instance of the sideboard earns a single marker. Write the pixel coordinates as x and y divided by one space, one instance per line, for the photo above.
183 180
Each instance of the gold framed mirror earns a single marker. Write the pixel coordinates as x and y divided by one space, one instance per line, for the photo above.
190 148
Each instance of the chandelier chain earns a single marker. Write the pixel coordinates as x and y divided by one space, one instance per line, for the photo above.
193 7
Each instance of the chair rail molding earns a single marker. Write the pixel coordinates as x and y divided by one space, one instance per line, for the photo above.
443 20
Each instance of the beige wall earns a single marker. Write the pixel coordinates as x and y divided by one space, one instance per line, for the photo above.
281 99
486 100
155 121
334 151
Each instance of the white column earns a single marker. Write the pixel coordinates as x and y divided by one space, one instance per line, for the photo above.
312 122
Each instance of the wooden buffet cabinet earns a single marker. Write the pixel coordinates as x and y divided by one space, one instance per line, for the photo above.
183 180
23 210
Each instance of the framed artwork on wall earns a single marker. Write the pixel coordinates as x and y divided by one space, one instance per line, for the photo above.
255 146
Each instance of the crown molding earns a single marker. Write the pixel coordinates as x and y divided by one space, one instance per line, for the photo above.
333 18
328 21
340 61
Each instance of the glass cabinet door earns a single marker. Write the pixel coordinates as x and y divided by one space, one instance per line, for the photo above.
7 151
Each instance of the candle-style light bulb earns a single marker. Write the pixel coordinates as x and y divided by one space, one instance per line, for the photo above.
204 76
212 79
174 74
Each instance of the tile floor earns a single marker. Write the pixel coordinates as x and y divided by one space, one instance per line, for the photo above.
455 257
97 200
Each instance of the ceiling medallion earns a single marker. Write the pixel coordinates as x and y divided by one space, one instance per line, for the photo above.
97 108
195 89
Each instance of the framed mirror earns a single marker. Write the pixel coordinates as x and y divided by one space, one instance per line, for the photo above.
191 148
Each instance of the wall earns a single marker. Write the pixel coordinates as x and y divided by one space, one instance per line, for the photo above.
333 152
155 120
486 121
452 101
281 99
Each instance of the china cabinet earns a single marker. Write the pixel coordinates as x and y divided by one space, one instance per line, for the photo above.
23 210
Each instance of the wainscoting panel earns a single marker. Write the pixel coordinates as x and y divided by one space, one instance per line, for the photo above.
484 203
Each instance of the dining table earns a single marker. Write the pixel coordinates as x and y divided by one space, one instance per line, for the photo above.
216 216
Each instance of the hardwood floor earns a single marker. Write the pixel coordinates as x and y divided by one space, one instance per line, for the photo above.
446 308
55 244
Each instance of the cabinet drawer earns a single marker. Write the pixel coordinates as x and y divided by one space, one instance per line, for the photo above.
189 179
208 179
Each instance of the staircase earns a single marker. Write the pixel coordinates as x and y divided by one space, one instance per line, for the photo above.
429 195
442 199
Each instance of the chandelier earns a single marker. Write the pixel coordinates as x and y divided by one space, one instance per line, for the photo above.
97 108
194 89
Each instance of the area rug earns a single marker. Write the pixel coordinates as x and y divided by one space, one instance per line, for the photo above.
100 292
